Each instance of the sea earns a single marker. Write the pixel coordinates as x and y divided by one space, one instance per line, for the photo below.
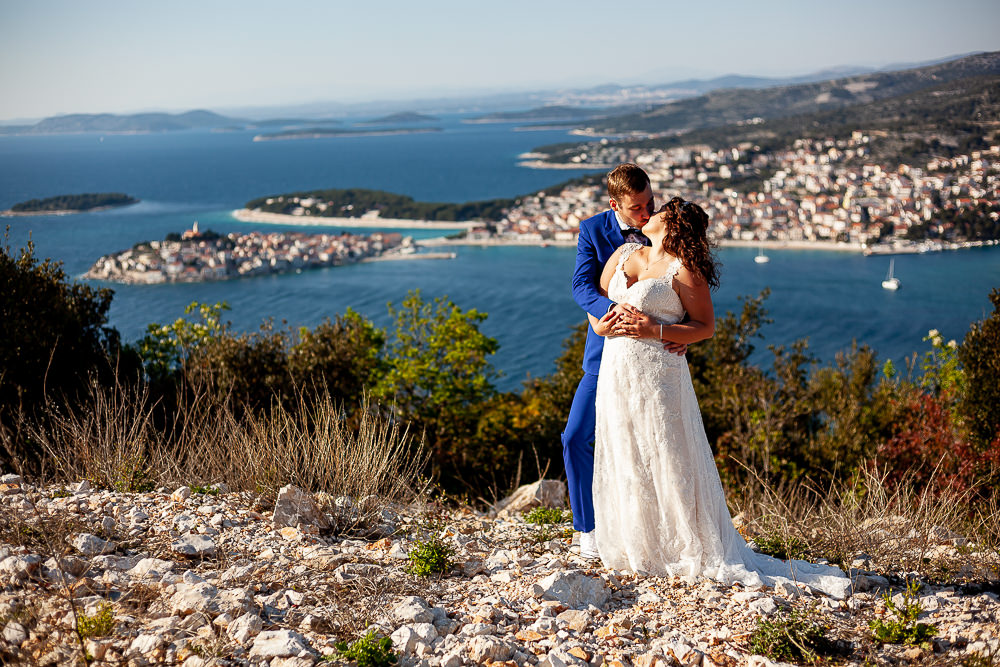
832 298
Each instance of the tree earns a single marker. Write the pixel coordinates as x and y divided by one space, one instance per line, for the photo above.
53 334
438 375
979 355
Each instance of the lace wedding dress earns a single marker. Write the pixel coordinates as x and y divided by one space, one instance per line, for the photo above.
658 500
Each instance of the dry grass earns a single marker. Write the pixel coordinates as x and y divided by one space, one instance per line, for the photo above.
112 440
938 533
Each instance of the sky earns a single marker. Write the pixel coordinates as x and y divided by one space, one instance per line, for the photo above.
117 56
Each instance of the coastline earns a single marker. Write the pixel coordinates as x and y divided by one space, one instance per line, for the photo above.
65 211
246 215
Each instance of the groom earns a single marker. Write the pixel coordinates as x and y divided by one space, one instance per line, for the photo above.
631 200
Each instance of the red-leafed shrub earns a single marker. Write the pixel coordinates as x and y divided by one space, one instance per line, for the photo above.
926 445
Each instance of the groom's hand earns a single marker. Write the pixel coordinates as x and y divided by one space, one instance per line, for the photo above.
606 325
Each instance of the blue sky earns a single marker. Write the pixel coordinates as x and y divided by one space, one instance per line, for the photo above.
67 56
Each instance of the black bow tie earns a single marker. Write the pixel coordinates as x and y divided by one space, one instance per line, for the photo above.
635 236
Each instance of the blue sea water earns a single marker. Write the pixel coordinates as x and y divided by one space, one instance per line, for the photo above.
830 297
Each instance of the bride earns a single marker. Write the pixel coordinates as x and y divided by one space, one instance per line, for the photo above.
658 501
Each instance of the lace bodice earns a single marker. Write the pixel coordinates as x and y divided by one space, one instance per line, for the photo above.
654 296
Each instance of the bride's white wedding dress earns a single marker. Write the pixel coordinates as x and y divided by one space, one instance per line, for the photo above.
658 501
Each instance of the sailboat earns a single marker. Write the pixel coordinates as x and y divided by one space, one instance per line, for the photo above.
890 282
761 258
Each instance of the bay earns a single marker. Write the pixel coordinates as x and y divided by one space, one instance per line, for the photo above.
829 297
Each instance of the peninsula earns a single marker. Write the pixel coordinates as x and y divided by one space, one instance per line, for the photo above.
324 132
199 256
65 204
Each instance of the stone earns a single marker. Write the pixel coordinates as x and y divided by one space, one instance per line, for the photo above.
574 589
14 633
576 620
243 628
181 494
152 567
20 567
191 598
294 506
194 546
870 582
544 493
788 591
404 640
764 606
80 488
413 609
92 545
279 644
145 644
484 648
236 602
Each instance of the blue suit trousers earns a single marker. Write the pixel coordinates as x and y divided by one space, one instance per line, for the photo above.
578 452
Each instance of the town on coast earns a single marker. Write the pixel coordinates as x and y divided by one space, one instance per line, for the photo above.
818 196
197 256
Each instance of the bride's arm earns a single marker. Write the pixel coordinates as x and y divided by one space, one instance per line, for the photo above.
605 325
696 297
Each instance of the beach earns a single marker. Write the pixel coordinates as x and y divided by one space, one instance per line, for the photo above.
246 215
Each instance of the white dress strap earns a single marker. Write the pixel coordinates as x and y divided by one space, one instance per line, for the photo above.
627 250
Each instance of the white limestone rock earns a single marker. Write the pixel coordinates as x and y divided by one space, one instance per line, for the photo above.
484 648
191 598
574 589
280 644
294 506
544 493
194 546
413 609
92 545
247 626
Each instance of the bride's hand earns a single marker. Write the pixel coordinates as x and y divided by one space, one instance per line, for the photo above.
636 324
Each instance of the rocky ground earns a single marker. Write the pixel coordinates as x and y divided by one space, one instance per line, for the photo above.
175 577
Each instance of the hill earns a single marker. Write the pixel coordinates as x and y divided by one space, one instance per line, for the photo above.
730 106
140 122
401 117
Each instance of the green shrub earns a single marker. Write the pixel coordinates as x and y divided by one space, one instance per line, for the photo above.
903 628
431 556
100 624
790 636
547 515
368 651
781 546
207 490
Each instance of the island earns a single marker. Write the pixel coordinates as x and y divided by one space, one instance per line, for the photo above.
65 204
324 132
401 117
199 256
373 205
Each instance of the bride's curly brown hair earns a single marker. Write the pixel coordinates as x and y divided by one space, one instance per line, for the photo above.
686 239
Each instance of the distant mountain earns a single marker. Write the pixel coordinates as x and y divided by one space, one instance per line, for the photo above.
140 122
401 117
736 105
553 113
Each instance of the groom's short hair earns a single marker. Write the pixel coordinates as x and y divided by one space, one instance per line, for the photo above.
626 179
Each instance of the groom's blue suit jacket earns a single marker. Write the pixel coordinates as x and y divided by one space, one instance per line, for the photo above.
600 236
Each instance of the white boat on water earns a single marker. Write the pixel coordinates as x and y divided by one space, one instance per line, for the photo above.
761 258
890 282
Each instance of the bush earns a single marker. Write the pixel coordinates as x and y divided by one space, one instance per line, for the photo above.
371 650
55 336
547 515
979 355
100 624
903 628
430 556
793 635
438 377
